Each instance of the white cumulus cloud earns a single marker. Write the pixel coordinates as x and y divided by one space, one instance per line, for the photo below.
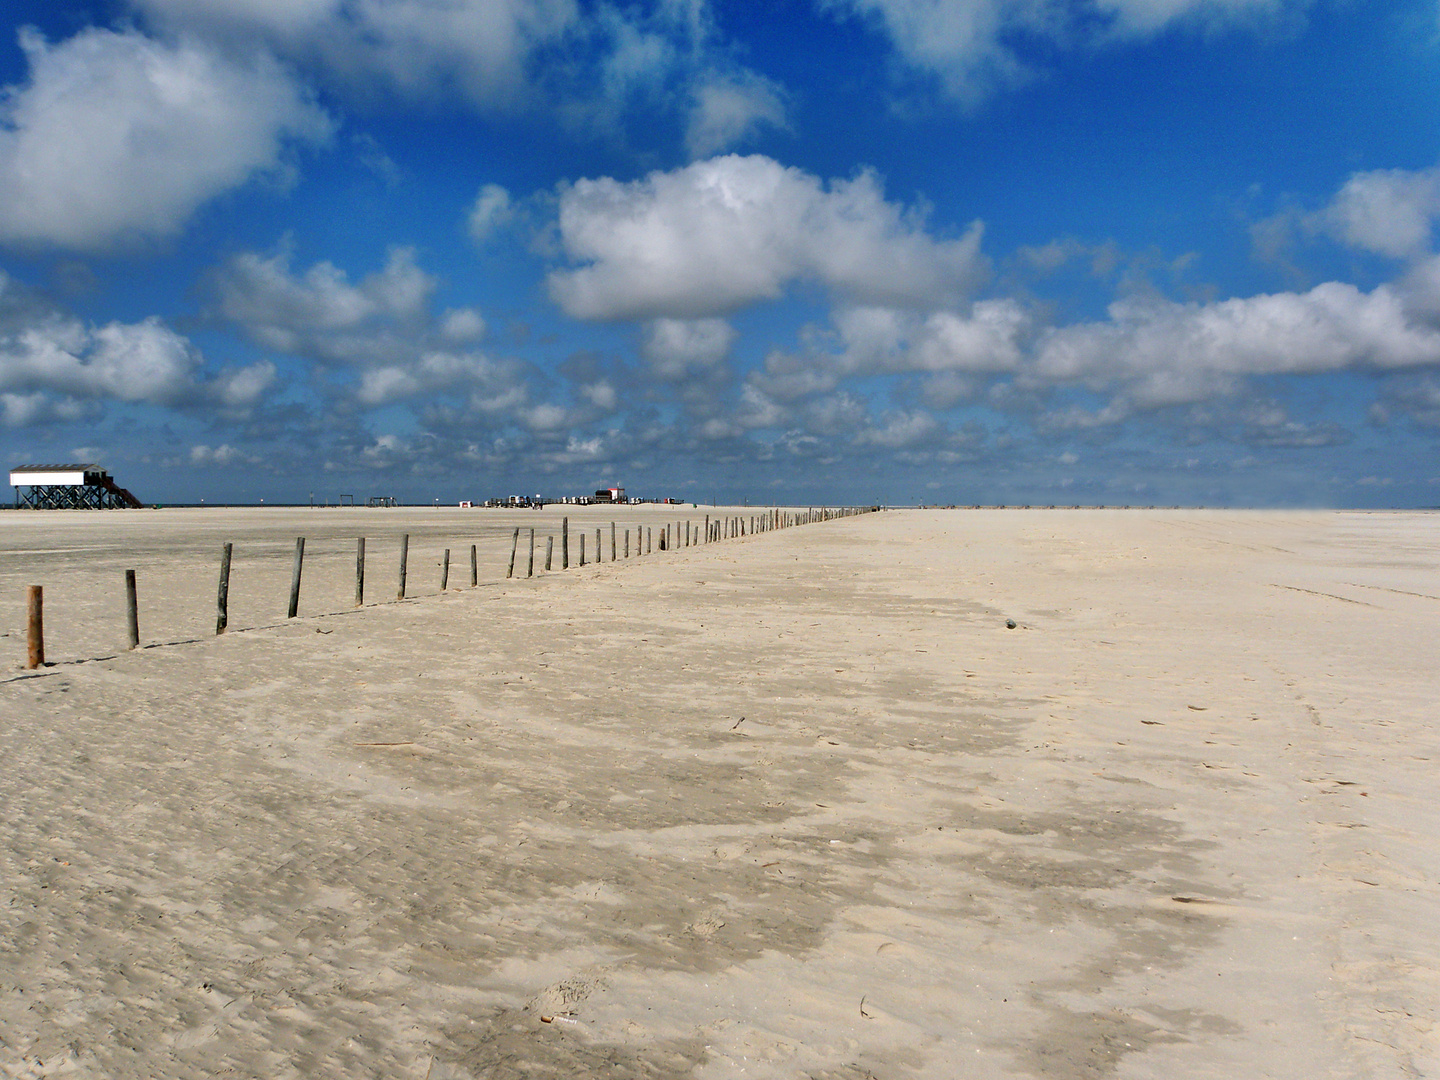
987 338
677 347
1165 353
731 107
116 136
1386 211
490 210
418 49
52 363
969 45
720 234
321 313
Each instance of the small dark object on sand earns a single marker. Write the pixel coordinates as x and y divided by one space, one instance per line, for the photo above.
1009 624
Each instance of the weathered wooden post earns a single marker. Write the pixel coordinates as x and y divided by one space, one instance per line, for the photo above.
597 547
565 543
612 541
222 595
359 571
531 571
514 546
474 567
295 576
549 550
35 626
649 540
627 543
404 555
132 611
445 571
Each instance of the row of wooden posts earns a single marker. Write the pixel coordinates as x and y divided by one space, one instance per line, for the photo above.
684 534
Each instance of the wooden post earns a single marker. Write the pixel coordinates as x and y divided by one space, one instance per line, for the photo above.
222 595
35 626
612 541
474 567
530 572
404 555
132 611
649 540
445 571
549 550
295 576
565 543
359 571
514 546
597 546
627 543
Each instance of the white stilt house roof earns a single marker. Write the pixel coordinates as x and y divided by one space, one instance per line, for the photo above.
67 475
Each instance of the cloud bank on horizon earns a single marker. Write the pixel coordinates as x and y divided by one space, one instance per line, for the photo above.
908 250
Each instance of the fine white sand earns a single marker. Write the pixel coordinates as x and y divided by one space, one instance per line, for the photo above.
793 805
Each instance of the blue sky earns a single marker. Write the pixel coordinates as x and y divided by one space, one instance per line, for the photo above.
953 251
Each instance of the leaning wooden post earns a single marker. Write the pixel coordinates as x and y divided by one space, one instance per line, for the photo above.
132 610
612 541
531 571
445 572
359 571
514 544
404 554
222 595
35 626
295 576
474 567
549 550
565 543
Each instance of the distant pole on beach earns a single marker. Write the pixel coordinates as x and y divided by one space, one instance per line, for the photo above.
627 543
582 549
531 571
35 626
132 610
222 595
474 567
359 571
597 548
445 572
295 576
549 551
612 541
514 545
404 554
565 543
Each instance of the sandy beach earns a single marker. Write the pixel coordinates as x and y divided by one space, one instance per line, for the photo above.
799 804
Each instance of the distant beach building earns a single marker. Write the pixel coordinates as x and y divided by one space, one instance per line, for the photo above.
68 487
610 495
